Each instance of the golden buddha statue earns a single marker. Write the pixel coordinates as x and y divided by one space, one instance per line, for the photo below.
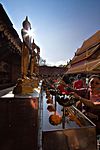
24 84
26 48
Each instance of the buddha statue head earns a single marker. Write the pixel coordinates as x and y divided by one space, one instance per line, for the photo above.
26 24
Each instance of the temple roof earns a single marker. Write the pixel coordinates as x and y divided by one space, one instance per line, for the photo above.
87 67
87 57
91 42
88 48
9 38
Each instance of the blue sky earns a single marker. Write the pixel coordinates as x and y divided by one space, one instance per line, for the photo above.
59 26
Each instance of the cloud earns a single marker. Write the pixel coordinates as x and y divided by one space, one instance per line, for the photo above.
61 62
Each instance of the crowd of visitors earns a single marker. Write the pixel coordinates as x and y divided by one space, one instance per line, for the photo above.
92 101
85 90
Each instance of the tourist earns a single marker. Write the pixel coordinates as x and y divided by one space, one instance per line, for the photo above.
93 103
78 83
